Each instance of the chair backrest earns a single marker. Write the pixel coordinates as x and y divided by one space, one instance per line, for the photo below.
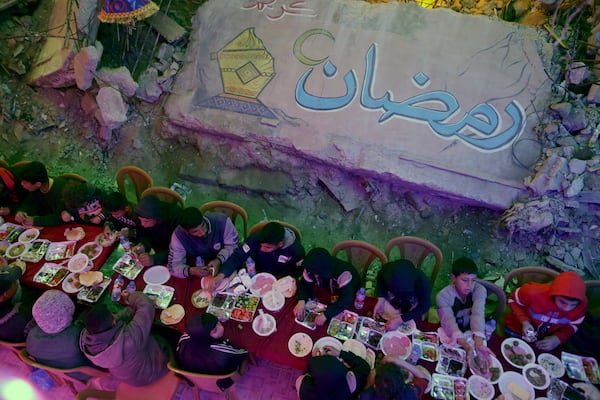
204 381
14 347
20 163
71 175
62 375
257 227
416 250
360 254
228 208
495 294
519 276
3 164
139 178
592 291
164 194
162 389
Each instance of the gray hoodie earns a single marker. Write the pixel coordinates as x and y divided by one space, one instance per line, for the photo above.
128 350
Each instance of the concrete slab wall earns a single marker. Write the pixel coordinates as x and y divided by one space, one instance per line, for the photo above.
428 97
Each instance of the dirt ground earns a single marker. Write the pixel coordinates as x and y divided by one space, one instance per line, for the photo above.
50 125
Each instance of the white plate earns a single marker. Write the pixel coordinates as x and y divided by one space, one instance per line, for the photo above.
300 344
495 364
267 324
29 235
273 300
17 249
67 284
356 347
262 290
407 327
551 364
533 372
325 341
157 275
517 378
480 388
92 250
78 263
528 354
396 336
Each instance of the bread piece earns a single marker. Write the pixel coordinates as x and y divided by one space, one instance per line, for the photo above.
173 314
91 278
518 391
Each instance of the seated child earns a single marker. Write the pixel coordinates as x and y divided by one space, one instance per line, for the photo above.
389 381
461 307
547 314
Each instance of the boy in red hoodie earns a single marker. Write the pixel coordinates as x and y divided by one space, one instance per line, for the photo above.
547 314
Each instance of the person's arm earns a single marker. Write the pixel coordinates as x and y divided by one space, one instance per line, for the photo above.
478 311
359 367
422 290
444 301
47 220
231 241
177 258
344 301
143 316
518 301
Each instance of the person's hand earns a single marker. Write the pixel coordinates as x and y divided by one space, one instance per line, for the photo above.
527 330
3 262
200 271
66 216
378 310
299 310
4 211
393 323
146 259
548 343
216 263
321 319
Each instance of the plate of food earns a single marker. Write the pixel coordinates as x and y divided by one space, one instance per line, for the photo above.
78 263
286 285
36 250
105 240
513 385
262 283
172 314
300 344
15 250
244 307
157 275
536 375
264 324
517 352
273 300
318 347
29 235
91 278
91 294
51 274
71 283
201 298
91 249
407 327
551 364
492 373
394 343
74 234
59 250
161 295
480 388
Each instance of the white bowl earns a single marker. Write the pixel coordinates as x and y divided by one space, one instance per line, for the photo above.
264 324
157 275
78 262
273 300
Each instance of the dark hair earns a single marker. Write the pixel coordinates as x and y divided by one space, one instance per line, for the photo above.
191 217
98 319
76 194
271 233
115 201
464 265
389 381
34 172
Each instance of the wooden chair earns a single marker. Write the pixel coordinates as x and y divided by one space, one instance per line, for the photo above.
495 295
20 163
207 382
14 347
228 208
163 389
164 194
71 175
257 227
3 164
139 179
360 254
416 250
519 276
60 375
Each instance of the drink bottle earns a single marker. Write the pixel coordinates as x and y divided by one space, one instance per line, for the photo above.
359 300
125 243
250 266
117 288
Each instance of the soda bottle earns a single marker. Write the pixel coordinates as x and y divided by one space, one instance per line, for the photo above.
115 295
125 243
250 267
359 300
199 261
129 290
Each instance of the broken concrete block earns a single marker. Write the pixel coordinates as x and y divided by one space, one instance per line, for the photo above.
119 78
550 175
112 107
84 65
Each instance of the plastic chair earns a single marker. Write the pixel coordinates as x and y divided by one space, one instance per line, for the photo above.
20 163
495 294
416 250
207 382
257 227
164 194
162 389
360 254
71 175
228 208
138 178
3 164
592 291
14 347
527 274
59 375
